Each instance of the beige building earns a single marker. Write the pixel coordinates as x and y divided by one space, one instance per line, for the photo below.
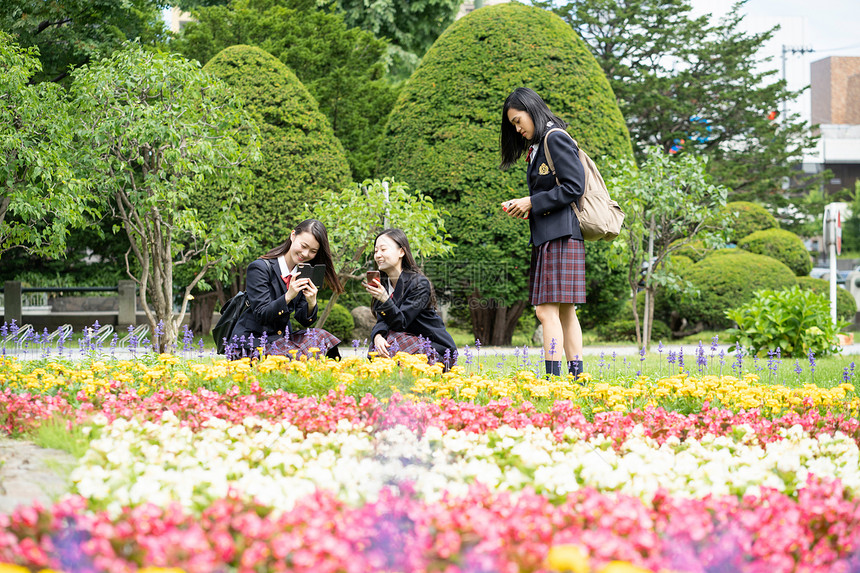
835 96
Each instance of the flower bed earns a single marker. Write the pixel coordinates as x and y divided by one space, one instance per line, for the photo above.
239 467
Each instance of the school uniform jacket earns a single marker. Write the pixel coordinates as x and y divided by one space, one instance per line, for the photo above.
551 216
269 312
408 310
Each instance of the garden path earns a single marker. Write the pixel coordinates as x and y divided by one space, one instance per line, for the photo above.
29 472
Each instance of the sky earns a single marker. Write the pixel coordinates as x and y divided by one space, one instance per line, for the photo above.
829 27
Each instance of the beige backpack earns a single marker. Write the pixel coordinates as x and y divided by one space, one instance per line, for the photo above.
600 217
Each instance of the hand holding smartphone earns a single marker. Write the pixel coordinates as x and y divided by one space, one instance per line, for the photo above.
373 276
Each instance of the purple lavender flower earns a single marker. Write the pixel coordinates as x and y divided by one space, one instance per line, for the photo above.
681 358
797 369
187 338
812 361
671 357
4 330
701 361
714 344
641 355
201 345
468 354
846 375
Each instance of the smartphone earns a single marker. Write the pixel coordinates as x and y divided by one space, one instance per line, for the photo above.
314 272
372 276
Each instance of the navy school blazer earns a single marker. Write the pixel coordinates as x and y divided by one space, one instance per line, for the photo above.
551 216
408 310
269 312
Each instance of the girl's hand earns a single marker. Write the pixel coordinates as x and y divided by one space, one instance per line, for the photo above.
376 290
381 346
310 291
297 285
518 208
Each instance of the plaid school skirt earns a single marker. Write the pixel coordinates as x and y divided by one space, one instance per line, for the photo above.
557 272
303 341
411 344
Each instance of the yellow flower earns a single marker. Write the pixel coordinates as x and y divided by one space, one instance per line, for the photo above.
9 568
622 567
567 558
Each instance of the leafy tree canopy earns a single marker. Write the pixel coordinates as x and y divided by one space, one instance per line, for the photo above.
342 67
152 129
71 33
40 197
410 27
692 87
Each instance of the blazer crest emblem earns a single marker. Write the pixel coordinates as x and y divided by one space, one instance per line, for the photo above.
543 169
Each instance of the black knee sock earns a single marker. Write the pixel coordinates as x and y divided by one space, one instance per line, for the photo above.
553 367
574 367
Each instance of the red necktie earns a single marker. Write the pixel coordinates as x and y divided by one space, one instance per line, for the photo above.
286 280
529 154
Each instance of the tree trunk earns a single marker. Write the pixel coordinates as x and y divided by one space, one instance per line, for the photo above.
201 309
492 322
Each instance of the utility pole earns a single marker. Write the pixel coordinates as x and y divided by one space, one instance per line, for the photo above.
790 50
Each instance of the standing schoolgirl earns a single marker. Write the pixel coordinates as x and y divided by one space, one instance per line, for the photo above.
405 305
276 293
557 273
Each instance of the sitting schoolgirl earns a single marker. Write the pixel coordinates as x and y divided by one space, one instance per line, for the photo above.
405 305
276 294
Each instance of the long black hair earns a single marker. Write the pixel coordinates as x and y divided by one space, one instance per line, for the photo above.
408 264
323 256
511 143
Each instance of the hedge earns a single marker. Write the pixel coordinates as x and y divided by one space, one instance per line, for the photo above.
782 245
846 306
746 218
727 279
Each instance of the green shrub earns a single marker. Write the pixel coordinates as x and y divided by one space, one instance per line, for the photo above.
846 306
442 137
624 329
782 245
301 156
725 280
795 320
339 321
746 218
695 251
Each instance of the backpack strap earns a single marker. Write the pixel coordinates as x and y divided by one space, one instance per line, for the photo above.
546 147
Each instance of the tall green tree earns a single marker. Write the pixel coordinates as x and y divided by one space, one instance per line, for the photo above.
343 68
690 86
152 130
40 197
668 204
69 34
410 27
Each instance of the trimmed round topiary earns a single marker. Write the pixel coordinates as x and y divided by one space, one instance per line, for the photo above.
443 133
339 322
302 158
782 245
746 218
728 280
846 306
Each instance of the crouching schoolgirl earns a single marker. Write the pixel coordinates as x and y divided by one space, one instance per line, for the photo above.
405 305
